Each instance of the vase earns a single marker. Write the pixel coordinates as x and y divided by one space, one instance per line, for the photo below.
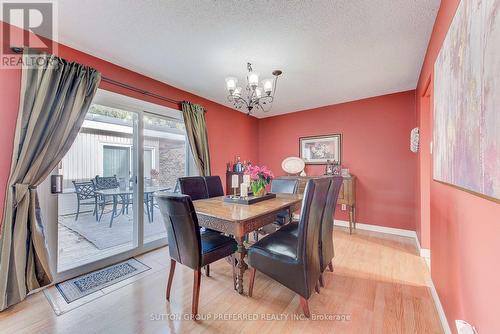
258 189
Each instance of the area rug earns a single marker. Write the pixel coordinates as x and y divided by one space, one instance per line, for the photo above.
84 285
103 236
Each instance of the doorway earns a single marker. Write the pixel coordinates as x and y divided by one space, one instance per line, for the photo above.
126 151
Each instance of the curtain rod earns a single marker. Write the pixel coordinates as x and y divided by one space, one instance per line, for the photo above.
124 85
138 90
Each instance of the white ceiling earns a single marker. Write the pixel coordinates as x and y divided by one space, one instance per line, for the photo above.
330 51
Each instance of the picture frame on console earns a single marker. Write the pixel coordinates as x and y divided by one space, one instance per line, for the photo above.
317 150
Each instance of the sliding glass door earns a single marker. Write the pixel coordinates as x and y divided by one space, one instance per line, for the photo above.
165 160
97 209
127 150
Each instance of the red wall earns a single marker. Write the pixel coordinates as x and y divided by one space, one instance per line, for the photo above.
375 148
464 228
219 118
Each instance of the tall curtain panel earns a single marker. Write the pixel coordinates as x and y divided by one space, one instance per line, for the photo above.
55 97
196 129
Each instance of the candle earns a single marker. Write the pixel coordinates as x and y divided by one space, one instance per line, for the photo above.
243 190
234 181
246 179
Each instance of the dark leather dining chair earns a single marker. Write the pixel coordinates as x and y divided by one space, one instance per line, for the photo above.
284 186
194 186
326 249
214 186
294 261
187 245
279 186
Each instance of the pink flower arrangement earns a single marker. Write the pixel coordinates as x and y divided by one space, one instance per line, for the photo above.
257 173
260 177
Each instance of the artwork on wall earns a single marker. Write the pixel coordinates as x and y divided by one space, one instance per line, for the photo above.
467 101
318 149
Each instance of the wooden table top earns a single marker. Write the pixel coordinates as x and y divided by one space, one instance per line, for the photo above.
217 208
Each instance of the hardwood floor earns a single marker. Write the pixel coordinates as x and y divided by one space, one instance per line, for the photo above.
379 285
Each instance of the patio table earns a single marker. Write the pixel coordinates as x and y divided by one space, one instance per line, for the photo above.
125 193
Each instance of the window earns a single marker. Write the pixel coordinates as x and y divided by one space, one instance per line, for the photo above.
116 161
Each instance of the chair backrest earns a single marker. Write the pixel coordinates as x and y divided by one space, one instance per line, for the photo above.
326 241
84 190
106 182
214 186
183 231
284 186
193 186
313 206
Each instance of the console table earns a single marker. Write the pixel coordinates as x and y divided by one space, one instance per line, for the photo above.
347 194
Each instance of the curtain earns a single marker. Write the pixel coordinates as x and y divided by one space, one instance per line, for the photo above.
55 96
196 129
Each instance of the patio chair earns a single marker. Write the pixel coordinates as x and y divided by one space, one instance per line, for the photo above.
85 195
148 199
107 182
112 182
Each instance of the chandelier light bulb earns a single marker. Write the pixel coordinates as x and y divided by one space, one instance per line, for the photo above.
268 86
253 79
231 83
258 92
237 92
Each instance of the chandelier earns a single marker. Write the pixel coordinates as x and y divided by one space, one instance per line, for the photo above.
254 97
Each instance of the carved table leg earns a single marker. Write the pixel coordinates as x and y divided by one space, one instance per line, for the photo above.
242 266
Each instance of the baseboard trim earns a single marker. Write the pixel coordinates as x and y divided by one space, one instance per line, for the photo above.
423 252
439 308
377 228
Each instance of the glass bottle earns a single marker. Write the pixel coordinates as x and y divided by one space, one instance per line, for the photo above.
238 165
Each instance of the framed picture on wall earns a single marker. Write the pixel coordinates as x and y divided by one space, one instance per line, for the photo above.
316 150
466 140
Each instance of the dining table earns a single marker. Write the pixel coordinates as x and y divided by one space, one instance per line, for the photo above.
239 220
124 194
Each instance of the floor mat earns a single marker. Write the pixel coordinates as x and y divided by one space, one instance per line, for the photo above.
84 285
